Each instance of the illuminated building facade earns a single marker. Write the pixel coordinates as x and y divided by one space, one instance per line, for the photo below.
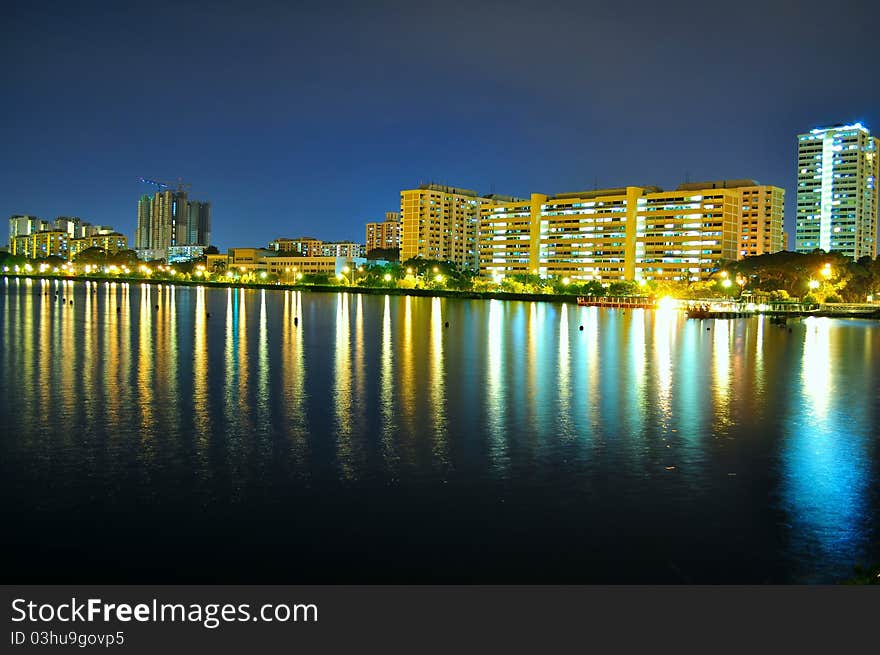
23 225
440 222
837 191
290 269
177 254
340 249
628 233
303 246
46 243
761 218
385 235
111 243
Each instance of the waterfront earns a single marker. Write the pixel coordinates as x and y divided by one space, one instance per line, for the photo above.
298 437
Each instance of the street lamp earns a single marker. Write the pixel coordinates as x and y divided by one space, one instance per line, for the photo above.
813 284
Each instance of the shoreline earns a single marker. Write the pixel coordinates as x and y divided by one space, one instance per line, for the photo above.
320 288
395 291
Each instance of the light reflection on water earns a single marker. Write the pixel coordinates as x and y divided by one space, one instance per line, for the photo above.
740 447
827 456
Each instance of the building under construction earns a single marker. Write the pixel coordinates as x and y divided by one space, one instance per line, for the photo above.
169 222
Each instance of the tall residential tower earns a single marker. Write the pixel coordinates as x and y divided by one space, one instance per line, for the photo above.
169 220
837 191
440 222
385 235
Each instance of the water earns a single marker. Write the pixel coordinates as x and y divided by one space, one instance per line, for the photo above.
371 443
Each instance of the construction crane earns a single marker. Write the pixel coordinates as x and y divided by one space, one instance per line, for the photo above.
166 186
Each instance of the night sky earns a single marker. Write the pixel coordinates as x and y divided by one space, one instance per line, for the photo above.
308 118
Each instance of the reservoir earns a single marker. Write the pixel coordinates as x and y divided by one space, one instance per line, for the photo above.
161 434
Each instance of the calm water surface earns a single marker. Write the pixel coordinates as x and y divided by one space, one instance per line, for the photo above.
145 441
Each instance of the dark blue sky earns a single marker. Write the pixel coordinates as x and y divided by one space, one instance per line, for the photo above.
308 118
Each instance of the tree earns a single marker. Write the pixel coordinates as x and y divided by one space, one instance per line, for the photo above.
123 258
388 254
10 260
94 256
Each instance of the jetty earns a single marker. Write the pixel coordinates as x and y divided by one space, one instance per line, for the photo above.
739 309
621 302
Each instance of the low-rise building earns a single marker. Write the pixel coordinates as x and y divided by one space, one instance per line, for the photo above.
216 263
291 269
178 254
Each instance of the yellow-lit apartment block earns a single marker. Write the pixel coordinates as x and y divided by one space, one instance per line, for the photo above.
41 244
440 222
110 243
628 233
385 234
762 216
60 244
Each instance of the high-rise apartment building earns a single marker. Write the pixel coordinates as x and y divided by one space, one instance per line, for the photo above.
628 233
384 235
198 224
23 225
762 215
168 219
837 191
65 237
440 222
46 243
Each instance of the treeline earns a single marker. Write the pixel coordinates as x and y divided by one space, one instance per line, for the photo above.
827 277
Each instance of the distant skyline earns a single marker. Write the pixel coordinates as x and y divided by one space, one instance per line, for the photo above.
305 118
